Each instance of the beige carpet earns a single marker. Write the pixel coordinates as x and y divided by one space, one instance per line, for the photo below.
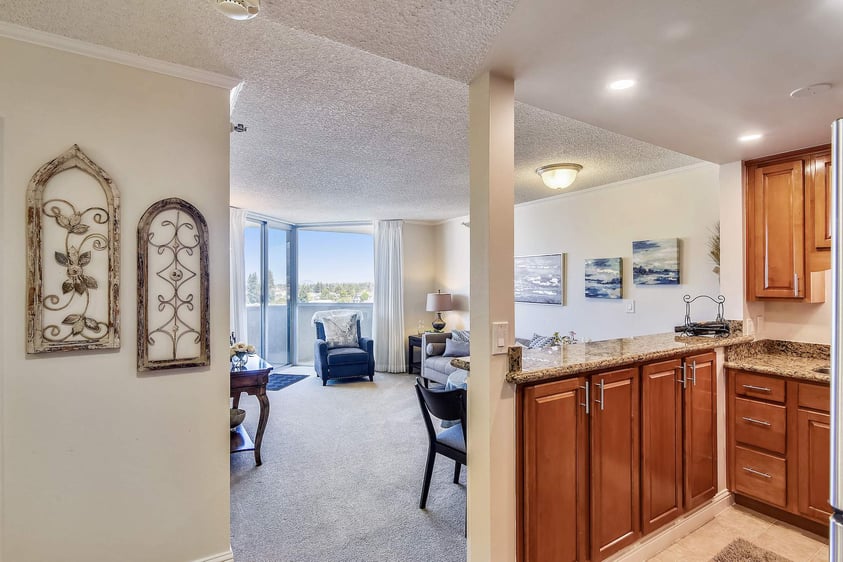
740 550
340 481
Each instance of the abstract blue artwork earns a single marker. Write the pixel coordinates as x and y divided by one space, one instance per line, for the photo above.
538 279
655 262
603 278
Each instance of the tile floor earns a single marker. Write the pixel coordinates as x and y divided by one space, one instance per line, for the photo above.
763 531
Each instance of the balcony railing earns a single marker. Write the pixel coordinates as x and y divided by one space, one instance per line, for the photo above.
276 351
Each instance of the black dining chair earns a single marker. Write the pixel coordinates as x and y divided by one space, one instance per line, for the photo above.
445 405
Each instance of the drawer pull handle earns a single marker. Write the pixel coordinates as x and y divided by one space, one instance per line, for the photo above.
759 422
756 472
586 403
757 388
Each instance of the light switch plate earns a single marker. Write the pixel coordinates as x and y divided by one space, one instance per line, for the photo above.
500 337
630 306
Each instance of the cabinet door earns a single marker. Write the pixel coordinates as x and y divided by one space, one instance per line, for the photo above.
778 236
700 429
554 491
822 201
615 515
661 443
814 439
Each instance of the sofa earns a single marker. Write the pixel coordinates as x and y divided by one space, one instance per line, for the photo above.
435 366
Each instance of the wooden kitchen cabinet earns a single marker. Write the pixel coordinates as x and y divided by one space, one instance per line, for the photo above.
578 467
554 472
781 203
779 446
678 437
700 421
819 213
615 515
813 437
661 444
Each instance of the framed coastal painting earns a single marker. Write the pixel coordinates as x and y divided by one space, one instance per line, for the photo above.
538 279
604 278
655 262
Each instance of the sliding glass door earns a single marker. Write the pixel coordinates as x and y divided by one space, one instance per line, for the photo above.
268 289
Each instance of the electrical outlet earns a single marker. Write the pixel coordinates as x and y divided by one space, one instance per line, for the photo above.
630 306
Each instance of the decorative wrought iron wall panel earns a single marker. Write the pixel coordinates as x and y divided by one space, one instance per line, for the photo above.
173 308
73 256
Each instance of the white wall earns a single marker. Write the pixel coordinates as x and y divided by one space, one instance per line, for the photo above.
101 463
453 261
419 266
603 223
600 223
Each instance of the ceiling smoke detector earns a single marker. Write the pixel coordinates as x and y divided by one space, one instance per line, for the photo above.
238 9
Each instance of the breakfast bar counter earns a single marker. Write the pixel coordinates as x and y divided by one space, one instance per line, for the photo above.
573 359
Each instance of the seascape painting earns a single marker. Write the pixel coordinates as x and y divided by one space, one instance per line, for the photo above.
655 262
538 279
603 278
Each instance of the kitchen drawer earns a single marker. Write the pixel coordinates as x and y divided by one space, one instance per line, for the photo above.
761 476
814 396
759 386
761 425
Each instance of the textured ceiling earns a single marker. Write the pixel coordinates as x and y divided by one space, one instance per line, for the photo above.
338 133
446 37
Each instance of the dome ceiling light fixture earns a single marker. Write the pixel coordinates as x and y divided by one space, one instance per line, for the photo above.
237 9
558 176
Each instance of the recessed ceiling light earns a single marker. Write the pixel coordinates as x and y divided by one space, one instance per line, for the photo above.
621 84
812 90
750 137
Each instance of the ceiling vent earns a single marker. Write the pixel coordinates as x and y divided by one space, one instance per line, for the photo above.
238 9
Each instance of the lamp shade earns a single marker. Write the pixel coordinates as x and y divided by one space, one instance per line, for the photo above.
559 176
439 302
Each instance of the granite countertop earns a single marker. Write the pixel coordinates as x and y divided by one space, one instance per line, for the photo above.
572 359
783 358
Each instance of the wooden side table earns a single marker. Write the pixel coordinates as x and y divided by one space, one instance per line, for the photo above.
251 379
412 342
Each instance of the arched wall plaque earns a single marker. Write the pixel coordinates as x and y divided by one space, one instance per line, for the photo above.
73 256
173 311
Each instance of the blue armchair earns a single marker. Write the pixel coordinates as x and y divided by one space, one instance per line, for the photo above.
342 362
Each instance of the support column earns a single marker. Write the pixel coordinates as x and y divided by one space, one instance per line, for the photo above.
491 400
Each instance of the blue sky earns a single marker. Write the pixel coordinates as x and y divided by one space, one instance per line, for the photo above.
323 256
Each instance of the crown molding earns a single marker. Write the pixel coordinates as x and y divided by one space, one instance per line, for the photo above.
75 46
618 184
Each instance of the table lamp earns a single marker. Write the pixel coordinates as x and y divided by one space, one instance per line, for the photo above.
439 302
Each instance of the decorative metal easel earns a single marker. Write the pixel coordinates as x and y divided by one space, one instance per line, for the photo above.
719 327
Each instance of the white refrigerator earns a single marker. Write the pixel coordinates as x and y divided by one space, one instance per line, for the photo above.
836 531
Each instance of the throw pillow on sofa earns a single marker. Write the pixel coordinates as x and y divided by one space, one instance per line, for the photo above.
456 348
539 342
435 349
460 335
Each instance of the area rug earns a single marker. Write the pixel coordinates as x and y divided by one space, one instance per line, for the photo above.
277 381
740 550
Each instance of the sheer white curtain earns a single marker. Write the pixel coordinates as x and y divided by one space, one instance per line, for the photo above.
236 237
389 297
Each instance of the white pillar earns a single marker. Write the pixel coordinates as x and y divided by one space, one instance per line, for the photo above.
491 400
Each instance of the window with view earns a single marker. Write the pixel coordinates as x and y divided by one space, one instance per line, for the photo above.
336 270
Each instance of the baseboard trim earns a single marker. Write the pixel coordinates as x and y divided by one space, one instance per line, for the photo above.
227 556
658 542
